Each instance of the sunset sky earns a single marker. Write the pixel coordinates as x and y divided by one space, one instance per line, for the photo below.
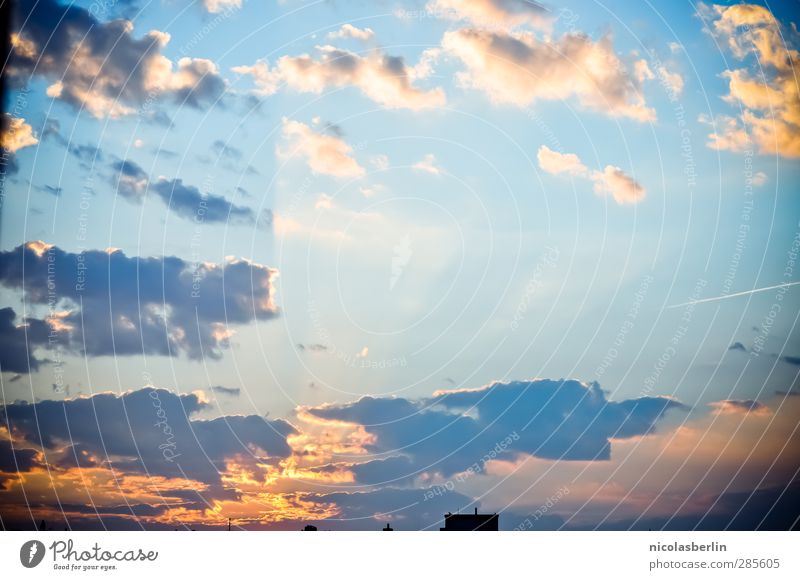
349 263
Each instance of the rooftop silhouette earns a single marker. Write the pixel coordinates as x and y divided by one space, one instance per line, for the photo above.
471 522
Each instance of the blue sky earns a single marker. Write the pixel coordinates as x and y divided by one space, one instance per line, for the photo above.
397 199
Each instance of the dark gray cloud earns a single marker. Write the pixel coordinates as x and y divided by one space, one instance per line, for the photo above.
745 406
229 157
392 470
19 339
88 155
314 347
230 391
144 431
457 430
738 346
50 190
16 459
186 201
112 304
792 360
226 151
100 65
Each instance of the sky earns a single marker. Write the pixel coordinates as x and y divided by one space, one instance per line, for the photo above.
350 263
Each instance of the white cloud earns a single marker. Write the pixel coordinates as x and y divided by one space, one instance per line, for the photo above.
556 163
519 69
217 6
383 78
16 134
622 187
493 13
326 154
767 91
428 165
672 81
350 31
369 191
611 181
101 66
379 162
324 201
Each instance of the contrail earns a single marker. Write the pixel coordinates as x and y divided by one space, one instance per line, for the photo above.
746 292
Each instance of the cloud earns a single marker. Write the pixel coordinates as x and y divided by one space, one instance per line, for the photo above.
325 154
87 155
493 13
189 203
760 178
314 347
186 201
101 66
112 304
738 346
16 134
454 430
229 391
406 461
731 406
428 165
557 163
324 201
150 431
623 188
766 91
383 78
611 181
18 341
224 150
519 69
672 81
792 360
217 6
350 31
15 459
131 180
652 482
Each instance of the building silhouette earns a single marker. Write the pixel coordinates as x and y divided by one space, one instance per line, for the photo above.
388 528
310 528
471 522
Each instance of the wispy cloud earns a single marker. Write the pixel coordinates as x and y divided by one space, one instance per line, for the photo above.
611 181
